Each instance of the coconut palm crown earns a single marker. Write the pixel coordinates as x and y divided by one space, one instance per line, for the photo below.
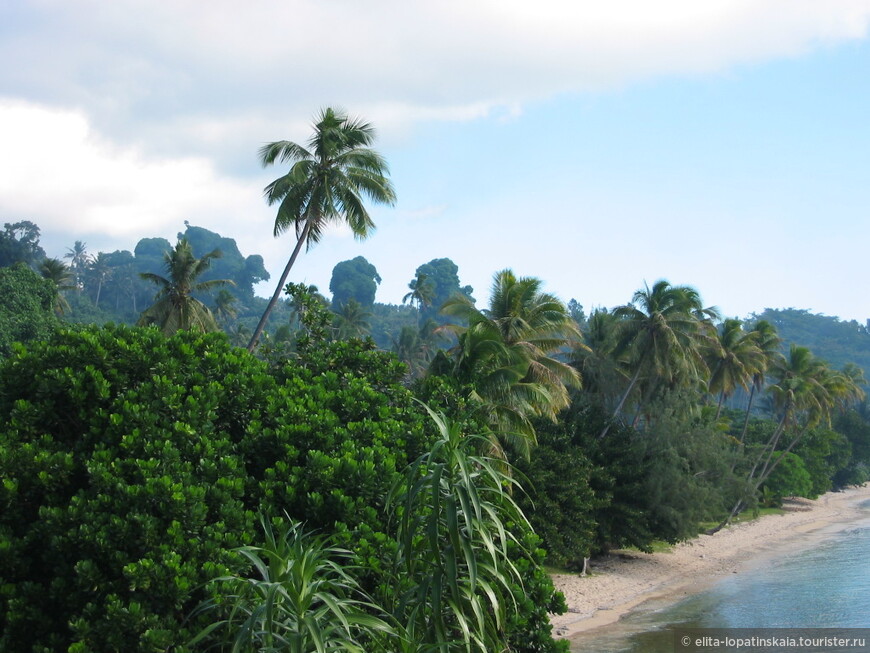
174 306
326 184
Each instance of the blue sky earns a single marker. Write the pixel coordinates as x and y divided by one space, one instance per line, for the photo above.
722 144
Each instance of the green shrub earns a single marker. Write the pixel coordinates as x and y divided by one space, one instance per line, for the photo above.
133 464
790 478
27 309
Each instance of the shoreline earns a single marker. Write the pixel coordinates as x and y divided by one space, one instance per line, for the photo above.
621 581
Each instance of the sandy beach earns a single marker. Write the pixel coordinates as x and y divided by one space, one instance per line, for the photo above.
623 580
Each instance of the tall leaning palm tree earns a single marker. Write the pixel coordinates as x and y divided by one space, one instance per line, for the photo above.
325 184
174 307
661 334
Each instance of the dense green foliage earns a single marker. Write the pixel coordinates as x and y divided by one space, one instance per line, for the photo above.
132 464
19 243
135 464
26 312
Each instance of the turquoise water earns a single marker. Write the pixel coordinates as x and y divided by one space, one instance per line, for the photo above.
826 584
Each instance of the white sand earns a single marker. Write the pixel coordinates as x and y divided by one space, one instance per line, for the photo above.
619 583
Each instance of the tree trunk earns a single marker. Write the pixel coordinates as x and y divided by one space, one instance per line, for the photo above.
765 472
719 406
622 399
262 323
745 423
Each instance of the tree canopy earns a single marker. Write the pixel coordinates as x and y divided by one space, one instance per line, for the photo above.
355 279
27 309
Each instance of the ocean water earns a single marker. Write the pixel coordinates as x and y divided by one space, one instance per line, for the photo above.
821 582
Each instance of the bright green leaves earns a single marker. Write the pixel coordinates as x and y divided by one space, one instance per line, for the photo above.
133 464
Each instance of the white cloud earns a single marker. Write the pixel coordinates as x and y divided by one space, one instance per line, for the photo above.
128 117
57 172
234 68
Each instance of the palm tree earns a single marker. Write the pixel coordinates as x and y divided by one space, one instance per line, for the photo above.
225 305
100 270
56 271
661 331
352 320
768 342
79 259
325 185
733 360
422 292
174 307
505 355
415 347
805 391
598 359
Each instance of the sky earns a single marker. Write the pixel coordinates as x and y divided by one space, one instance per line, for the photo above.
722 144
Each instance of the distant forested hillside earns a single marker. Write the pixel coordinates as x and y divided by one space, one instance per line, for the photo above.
834 340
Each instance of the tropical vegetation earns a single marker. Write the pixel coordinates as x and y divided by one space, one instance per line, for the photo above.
372 477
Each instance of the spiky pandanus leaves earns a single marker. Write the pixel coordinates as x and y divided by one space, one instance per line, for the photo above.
301 598
326 184
455 516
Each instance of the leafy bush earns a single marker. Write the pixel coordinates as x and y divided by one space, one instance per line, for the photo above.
26 312
133 464
559 500
790 478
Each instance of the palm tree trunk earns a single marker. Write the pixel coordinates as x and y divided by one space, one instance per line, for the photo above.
745 424
719 406
303 237
774 440
765 473
622 399
748 413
